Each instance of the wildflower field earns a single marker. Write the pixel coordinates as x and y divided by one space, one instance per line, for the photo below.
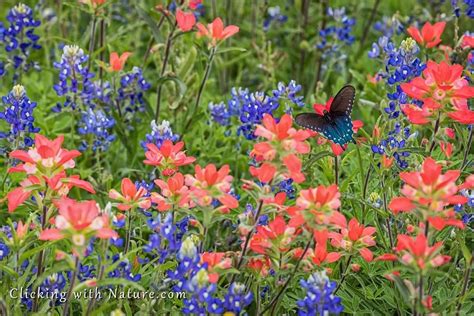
205 157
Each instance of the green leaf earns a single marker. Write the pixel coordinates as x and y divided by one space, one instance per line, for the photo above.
230 49
151 23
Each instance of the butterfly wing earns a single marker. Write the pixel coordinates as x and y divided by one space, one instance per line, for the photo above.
330 130
343 102
343 127
311 121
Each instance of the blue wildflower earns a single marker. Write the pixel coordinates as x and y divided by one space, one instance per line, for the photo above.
20 38
159 133
124 270
18 113
98 125
319 299
74 79
4 250
237 299
273 16
130 92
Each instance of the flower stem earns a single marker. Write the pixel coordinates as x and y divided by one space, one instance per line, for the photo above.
467 276
129 232
101 269
387 220
159 88
283 288
368 24
41 253
344 275
201 87
435 131
91 41
247 239
71 286
468 147
336 170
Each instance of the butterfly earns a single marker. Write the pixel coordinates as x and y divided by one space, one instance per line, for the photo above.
335 124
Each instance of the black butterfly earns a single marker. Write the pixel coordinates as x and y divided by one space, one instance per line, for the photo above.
336 124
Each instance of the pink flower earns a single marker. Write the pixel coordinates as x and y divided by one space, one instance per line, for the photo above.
185 20
130 196
216 262
216 31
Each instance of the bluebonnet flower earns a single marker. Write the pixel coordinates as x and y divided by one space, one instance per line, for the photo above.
389 26
4 250
159 133
250 107
237 299
18 113
287 187
192 277
319 299
132 86
167 237
273 16
401 65
468 8
53 284
466 210
220 113
98 125
290 93
124 270
336 34
20 38
74 79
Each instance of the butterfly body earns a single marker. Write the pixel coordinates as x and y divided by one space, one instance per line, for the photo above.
335 124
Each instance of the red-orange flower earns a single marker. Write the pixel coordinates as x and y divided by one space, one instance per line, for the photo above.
281 148
353 238
317 208
173 192
430 193
118 62
130 196
168 158
216 262
320 255
430 34
78 221
60 185
209 183
216 31
185 20
272 239
441 86
417 253
46 157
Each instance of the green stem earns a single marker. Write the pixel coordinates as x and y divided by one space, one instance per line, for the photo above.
91 41
468 147
295 269
129 231
467 277
336 170
344 275
159 88
435 131
201 87
71 286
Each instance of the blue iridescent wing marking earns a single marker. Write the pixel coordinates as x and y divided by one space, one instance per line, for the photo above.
337 125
